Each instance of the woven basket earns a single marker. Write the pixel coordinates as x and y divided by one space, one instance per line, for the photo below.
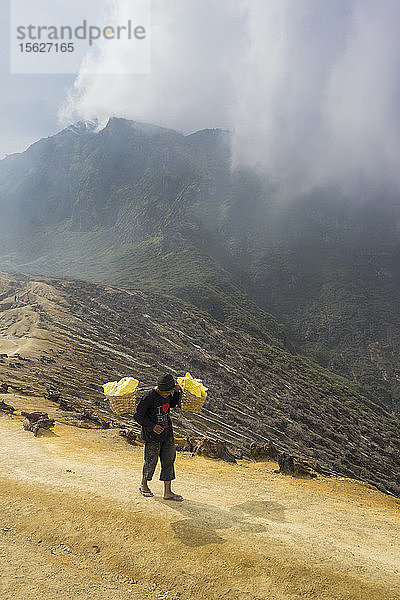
123 404
191 403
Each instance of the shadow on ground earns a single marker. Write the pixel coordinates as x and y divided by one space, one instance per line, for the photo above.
202 521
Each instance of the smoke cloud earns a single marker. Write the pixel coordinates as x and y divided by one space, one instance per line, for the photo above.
194 46
319 92
310 89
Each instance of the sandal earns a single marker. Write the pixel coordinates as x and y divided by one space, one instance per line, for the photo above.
146 493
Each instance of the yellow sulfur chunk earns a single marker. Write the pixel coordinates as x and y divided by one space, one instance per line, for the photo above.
124 386
192 385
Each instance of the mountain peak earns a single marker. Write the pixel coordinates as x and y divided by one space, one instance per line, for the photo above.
83 127
210 133
149 129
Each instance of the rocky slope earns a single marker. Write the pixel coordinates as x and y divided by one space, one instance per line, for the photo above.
76 335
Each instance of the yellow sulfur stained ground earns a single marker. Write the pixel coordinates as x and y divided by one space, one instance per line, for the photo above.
73 525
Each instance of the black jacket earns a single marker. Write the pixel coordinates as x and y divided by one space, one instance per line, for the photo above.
152 410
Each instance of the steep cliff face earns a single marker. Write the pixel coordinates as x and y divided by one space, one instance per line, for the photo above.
144 207
75 336
116 206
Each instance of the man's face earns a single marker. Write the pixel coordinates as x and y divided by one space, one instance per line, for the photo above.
164 394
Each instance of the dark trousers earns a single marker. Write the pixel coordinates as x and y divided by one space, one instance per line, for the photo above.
165 449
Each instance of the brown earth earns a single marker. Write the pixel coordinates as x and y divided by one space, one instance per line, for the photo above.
74 525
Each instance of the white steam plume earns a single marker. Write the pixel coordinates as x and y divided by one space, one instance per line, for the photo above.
310 88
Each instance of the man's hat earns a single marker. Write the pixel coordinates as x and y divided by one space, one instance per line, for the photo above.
165 382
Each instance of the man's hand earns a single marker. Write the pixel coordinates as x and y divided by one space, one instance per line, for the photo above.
158 429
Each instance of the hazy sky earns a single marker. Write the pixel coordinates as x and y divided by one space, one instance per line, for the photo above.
309 87
29 104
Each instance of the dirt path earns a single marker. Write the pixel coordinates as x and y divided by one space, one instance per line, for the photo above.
73 525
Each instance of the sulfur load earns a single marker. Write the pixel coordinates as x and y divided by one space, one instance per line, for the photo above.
194 393
124 386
